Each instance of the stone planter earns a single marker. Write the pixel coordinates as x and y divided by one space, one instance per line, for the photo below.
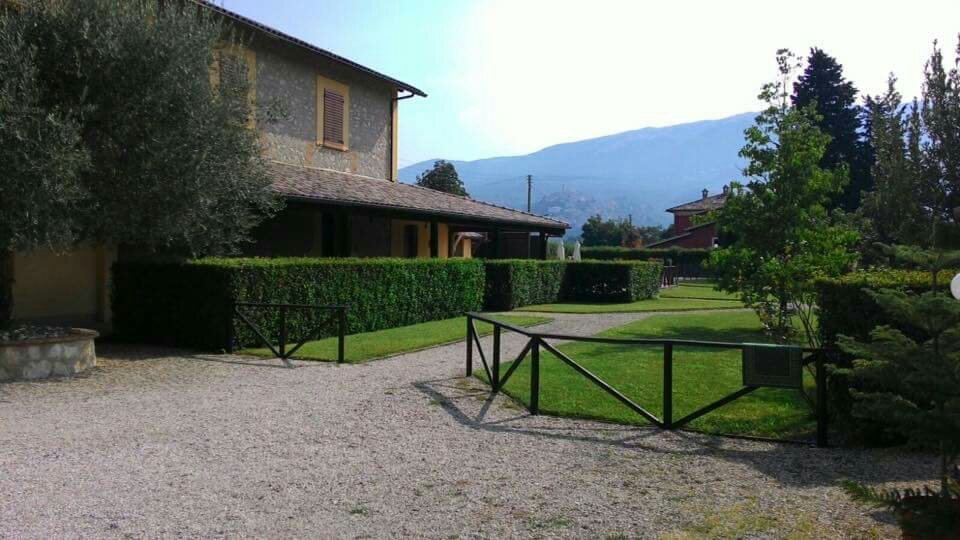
48 357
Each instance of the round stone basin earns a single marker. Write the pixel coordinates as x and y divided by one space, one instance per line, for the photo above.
48 357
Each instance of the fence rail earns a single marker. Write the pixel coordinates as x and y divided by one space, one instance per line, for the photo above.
338 315
538 341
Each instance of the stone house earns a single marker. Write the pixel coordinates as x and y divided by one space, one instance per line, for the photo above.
334 160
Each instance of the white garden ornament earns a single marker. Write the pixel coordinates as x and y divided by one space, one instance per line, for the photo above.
955 286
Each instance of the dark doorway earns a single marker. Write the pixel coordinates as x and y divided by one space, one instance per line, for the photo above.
411 240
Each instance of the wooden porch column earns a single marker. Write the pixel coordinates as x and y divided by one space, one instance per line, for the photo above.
434 240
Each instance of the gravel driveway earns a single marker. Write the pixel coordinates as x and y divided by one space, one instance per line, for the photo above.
168 443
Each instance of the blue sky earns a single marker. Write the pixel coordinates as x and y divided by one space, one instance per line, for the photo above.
507 76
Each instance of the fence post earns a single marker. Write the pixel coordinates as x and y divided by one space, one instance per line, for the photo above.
668 385
283 331
231 313
535 377
341 334
469 345
496 357
822 413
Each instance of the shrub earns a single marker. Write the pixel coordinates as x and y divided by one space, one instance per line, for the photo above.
522 282
689 261
188 304
845 307
515 283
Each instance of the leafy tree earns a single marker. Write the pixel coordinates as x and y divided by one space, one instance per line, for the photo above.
619 232
823 86
782 233
122 137
600 232
443 177
894 208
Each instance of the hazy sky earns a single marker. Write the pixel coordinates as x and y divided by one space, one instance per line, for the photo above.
512 76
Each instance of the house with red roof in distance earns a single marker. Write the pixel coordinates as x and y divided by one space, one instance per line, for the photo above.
691 235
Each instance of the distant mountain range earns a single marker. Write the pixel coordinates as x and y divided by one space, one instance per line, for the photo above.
638 173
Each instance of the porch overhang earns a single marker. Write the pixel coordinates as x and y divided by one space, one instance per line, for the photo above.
338 191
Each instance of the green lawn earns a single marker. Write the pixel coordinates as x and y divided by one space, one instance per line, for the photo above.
697 289
689 296
700 376
382 343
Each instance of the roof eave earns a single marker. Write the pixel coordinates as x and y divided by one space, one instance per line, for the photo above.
559 227
400 85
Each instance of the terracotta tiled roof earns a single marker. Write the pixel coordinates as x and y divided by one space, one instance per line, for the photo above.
705 204
325 185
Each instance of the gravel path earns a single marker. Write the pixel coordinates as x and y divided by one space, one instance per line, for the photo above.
166 443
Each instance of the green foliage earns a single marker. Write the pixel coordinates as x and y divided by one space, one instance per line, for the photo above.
823 87
443 177
619 232
691 261
783 235
894 210
912 384
515 283
846 304
596 281
111 131
188 304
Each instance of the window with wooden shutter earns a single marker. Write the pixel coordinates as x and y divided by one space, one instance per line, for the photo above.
332 117
333 114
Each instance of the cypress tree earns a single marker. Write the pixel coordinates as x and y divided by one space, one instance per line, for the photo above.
823 85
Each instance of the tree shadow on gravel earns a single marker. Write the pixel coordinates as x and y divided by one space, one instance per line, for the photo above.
472 405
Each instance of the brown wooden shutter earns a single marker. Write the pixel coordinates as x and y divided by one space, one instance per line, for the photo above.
333 117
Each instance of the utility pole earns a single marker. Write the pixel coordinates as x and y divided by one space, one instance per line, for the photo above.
529 191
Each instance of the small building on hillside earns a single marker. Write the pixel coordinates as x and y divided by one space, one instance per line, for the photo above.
693 235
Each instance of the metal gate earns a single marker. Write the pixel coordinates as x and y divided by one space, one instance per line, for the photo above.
338 315
764 366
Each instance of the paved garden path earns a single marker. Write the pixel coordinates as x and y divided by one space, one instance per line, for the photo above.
167 443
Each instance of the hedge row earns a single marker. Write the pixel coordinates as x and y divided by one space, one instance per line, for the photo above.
845 306
515 283
689 261
189 304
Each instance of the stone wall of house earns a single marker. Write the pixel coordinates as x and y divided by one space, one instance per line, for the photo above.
288 74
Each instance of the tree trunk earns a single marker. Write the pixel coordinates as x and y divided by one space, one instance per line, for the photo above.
6 288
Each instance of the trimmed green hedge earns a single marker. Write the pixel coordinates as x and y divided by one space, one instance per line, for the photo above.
844 306
188 304
689 261
522 282
515 283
